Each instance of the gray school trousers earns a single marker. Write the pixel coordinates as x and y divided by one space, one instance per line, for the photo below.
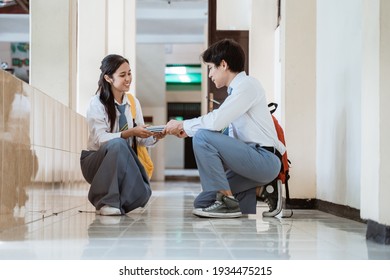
226 163
117 177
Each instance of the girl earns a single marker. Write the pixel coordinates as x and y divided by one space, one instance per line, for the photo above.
118 180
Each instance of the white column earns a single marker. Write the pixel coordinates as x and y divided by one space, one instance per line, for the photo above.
370 145
298 56
129 37
107 28
115 27
384 183
73 55
52 48
262 44
121 32
375 149
92 47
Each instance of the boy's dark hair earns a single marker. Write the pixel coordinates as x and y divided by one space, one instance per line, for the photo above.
228 50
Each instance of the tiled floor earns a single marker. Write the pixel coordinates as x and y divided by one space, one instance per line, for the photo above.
166 229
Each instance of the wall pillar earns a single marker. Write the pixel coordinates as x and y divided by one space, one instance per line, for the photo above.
375 192
262 49
108 28
298 63
53 48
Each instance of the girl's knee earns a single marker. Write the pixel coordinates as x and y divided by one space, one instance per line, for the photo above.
117 144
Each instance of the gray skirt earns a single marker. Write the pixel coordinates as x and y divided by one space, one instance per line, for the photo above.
117 177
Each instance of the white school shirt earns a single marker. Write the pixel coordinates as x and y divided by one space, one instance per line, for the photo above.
99 126
246 113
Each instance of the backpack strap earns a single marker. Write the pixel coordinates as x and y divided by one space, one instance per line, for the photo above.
132 104
272 104
133 114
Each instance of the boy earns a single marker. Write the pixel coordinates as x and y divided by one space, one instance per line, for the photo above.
231 166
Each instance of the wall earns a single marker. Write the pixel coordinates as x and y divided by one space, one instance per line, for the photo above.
234 15
339 64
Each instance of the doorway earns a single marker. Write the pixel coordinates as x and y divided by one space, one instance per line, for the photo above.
183 111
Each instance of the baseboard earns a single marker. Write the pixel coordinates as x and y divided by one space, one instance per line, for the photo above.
300 203
328 207
182 178
339 210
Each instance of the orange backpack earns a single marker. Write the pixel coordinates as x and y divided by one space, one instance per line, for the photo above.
284 175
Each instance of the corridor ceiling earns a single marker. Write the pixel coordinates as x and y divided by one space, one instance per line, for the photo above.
158 21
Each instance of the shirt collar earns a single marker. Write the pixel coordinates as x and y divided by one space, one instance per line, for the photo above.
124 101
236 81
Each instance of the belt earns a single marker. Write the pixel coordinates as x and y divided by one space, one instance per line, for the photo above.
273 150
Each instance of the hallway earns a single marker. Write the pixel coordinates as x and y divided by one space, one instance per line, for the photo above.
166 230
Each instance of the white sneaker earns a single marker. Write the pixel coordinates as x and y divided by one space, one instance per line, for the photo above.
108 211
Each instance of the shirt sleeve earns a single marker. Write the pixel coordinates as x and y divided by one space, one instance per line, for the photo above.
99 126
139 120
234 106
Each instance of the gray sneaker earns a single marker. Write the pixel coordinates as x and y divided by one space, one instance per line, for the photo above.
223 207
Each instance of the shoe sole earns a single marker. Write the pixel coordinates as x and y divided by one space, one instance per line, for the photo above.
279 205
108 213
201 213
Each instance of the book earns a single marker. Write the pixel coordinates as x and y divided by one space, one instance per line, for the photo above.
156 128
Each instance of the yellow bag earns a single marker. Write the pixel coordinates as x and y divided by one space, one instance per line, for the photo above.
142 151
144 158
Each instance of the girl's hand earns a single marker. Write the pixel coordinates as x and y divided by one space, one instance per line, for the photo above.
141 131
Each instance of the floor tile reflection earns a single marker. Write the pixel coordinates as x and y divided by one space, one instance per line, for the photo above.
166 229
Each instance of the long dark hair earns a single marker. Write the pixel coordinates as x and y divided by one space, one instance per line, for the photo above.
108 67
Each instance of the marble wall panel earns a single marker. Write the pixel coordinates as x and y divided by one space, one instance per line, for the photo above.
41 141
39 130
66 128
73 132
49 121
58 117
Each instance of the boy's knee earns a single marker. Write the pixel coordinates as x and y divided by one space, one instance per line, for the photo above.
201 137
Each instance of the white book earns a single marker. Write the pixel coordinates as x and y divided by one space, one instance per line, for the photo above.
156 128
